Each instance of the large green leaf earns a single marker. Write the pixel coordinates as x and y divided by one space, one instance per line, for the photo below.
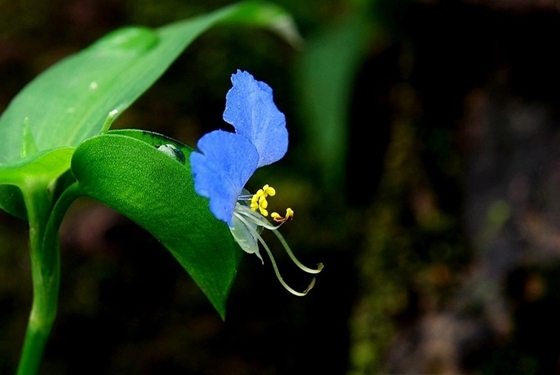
126 171
70 102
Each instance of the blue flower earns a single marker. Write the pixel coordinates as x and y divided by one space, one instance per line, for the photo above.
227 160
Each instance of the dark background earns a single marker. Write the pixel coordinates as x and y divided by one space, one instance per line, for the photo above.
440 243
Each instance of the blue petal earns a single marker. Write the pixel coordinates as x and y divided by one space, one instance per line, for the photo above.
253 114
222 170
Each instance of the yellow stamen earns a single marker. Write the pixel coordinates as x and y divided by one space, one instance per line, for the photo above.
279 219
258 201
248 220
269 190
263 203
255 199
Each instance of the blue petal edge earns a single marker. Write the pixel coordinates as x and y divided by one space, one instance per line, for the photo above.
251 110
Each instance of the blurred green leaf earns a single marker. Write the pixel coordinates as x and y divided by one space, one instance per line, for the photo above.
126 171
325 75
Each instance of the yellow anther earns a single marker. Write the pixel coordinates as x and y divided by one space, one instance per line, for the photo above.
289 213
255 199
258 201
279 219
263 203
269 190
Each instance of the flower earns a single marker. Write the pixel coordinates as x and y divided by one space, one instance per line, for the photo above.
227 160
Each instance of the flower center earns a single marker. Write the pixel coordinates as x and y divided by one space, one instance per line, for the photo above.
248 224
259 201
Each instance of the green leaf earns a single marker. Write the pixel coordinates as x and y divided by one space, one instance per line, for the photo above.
326 74
126 171
69 102
11 201
35 172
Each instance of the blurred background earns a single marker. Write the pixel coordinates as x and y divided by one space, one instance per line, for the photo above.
423 169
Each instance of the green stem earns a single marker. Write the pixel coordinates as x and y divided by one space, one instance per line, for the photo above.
45 267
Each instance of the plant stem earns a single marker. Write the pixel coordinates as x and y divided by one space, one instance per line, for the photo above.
45 267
